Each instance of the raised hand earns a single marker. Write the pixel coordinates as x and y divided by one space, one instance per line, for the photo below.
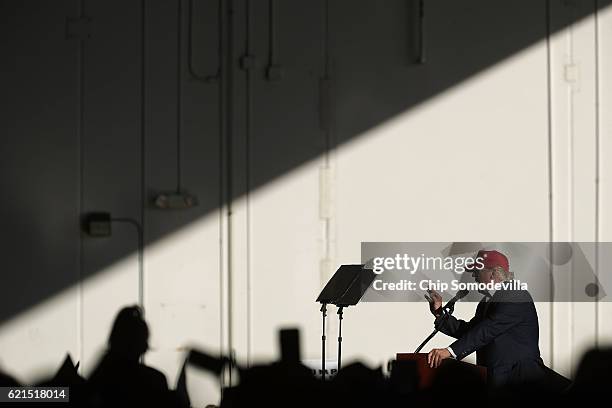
435 302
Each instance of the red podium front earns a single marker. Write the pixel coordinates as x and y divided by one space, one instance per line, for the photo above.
427 374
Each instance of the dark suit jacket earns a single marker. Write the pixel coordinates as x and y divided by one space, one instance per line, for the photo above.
503 333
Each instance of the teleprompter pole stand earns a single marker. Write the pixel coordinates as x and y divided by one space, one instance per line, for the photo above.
345 288
340 311
323 314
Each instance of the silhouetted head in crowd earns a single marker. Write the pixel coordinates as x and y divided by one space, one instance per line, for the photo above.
357 385
130 334
8 381
593 374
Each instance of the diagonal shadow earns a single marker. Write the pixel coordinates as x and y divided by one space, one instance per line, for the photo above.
64 158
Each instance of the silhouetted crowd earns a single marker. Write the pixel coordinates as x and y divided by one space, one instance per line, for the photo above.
121 379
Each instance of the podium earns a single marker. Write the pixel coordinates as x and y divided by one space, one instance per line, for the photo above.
427 374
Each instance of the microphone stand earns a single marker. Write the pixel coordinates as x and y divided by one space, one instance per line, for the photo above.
446 312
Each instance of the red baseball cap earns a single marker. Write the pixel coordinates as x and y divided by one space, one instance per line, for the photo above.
490 259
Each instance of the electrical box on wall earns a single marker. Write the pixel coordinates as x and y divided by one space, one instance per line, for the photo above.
175 201
98 224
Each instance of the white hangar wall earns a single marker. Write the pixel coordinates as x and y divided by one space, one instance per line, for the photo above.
325 131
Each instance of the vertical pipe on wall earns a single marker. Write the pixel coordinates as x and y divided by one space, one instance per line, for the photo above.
326 126
271 33
247 161
80 134
209 77
421 52
571 205
224 95
326 174
143 121
597 164
226 116
550 169
179 92
273 69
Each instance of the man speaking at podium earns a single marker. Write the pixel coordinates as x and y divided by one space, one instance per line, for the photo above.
503 333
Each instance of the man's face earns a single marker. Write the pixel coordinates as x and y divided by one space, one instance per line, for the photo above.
483 275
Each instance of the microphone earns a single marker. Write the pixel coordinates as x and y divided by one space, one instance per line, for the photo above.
449 308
